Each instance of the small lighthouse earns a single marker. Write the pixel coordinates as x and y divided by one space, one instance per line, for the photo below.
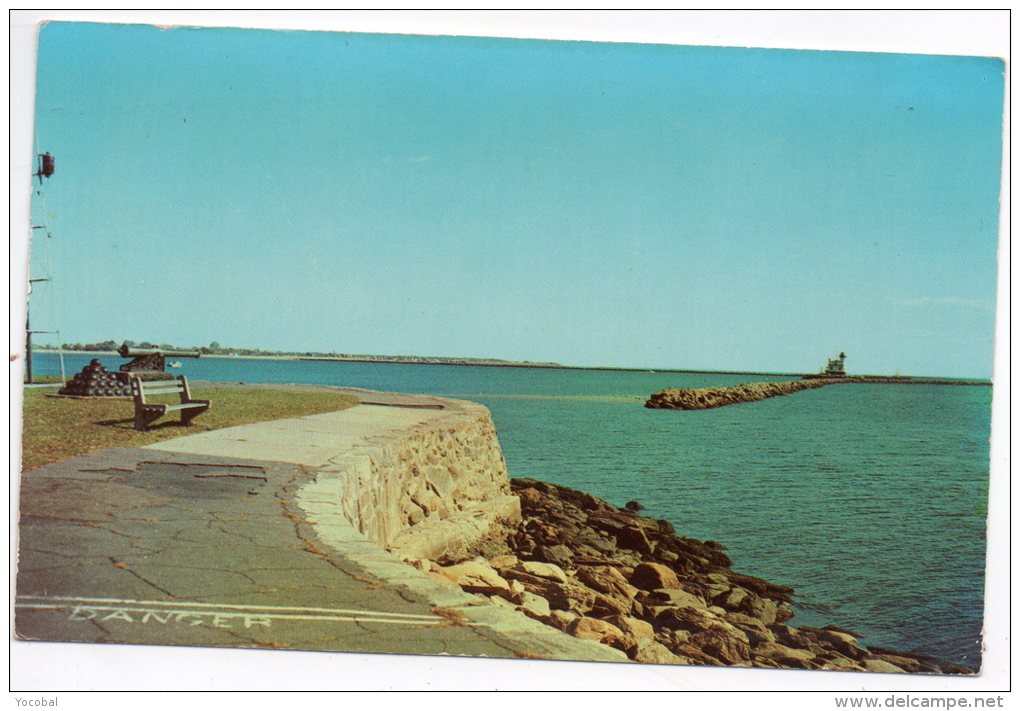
834 368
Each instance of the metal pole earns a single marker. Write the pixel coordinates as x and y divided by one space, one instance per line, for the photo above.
28 345
40 173
28 328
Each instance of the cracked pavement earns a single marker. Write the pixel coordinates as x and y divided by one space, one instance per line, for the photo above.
234 538
149 547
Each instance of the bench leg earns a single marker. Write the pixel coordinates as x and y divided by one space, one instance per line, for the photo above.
188 415
144 418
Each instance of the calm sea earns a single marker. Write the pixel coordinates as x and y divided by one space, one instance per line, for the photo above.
870 500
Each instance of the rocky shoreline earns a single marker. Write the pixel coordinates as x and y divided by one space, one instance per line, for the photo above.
615 577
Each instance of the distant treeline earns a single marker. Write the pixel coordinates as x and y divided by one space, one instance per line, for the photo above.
215 348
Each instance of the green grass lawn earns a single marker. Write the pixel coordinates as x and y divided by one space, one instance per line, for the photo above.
39 379
56 428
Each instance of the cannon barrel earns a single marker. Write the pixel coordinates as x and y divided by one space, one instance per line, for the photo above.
127 352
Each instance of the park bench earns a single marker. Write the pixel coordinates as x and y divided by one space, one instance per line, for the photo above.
148 412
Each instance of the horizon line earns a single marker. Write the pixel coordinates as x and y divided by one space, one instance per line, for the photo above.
414 359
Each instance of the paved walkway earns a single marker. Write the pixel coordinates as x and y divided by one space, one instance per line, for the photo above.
311 441
207 540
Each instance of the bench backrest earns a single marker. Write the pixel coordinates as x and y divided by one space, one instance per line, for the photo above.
140 388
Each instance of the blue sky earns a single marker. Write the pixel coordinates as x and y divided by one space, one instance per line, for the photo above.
593 204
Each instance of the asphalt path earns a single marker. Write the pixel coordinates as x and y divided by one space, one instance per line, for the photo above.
149 547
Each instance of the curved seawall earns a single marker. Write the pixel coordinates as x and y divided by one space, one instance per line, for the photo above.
424 477
431 488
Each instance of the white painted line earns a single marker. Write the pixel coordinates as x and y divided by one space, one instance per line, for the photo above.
225 605
122 612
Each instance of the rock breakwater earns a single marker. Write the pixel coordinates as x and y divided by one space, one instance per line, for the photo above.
707 398
609 575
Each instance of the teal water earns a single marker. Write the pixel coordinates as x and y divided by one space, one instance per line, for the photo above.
870 500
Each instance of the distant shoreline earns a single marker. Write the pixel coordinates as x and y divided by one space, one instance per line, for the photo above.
880 379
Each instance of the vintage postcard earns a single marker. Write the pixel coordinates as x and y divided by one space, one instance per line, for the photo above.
522 349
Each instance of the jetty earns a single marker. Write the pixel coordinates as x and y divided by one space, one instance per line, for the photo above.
833 373
708 398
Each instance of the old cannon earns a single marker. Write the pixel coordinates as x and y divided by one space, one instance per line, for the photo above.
148 361
94 380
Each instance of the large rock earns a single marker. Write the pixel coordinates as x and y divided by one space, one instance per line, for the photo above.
534 606
628 535
783 612
733 599
634 538
606 605
597 631
648 651
714 636
786 656
668 557
880 665
911 666
558 555
754 628
715 589
634 628
843 642
697 655
609 522
672 639
602 544
501 562
577 598
692 619
527 579
530 498
549 571
727 645
842 664
790 636
761 587
501 602
673 597
653 576
606 579
569 595
561 619
555 593
765 610
477 576
574 597
517 590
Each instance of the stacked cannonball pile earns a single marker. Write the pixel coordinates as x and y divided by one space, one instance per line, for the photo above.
94 380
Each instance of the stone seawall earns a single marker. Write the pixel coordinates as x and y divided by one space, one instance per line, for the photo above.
431 489
418 475
707 398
